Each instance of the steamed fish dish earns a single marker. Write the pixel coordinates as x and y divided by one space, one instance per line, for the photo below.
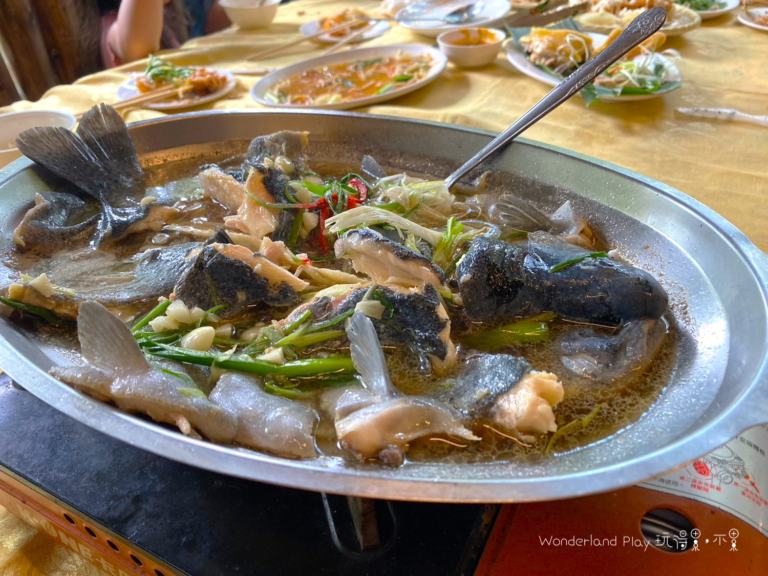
263 302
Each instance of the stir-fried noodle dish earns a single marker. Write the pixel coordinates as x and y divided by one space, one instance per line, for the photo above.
356 313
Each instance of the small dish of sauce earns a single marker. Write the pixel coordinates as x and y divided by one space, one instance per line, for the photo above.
475 37
471 47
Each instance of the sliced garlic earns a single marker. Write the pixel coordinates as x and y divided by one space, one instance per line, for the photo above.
43 285
273 355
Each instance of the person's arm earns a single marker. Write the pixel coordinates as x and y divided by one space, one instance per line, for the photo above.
217 19
136 32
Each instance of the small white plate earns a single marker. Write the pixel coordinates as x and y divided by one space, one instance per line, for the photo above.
744 19
519 60
128 90
312 28
493 11
260 89
730 6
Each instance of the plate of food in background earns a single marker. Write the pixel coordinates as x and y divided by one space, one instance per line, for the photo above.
351 79
361 18
194 84
550 55
757 18
492 11
606 15
709 9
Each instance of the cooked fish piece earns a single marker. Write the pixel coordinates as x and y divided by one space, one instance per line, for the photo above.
500 281
481 380
117 371
251 217
338 403
101 160
368 424
413 319
526 409
57 219
277 148
385 261
613 358
233 275
395 235
101 276
396 422
272 160
267 422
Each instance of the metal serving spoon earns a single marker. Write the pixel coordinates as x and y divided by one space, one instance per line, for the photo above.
638 30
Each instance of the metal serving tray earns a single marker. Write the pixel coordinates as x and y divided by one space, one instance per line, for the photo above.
715 277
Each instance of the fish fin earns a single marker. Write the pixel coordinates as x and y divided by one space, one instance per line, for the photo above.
514 212
371 168
220 237
100 158
106 342
368 357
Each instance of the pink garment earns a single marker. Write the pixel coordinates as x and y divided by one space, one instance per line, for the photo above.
109 59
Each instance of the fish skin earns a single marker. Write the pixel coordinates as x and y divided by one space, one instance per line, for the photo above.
152 274
117 370
482 379
212 278
365 240
100 159
395 422
236 174
415 322
284 143
501 281
612 358
425 248
267 422
275 182
56 220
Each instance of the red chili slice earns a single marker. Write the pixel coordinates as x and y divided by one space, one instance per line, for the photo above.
361 188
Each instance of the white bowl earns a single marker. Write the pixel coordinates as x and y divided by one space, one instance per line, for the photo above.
14 123
471 55
248 15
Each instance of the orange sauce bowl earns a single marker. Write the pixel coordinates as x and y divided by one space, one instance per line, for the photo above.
471 47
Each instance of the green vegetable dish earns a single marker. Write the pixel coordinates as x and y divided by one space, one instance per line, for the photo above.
269 302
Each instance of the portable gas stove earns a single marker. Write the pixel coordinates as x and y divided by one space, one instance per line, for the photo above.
130 512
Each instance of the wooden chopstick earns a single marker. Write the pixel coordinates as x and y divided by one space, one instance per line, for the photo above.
348 39
271 51
142 98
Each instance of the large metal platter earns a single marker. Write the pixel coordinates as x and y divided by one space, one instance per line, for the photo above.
716 279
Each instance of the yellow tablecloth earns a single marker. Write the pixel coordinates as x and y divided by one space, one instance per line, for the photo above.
722 164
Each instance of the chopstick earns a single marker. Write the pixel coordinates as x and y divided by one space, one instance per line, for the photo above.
271 51
348 39
142 98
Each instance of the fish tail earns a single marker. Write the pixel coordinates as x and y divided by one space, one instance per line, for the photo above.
100 158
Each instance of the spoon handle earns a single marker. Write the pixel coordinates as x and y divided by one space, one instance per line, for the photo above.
641 28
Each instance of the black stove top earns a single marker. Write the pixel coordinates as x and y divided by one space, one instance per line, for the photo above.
205 523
